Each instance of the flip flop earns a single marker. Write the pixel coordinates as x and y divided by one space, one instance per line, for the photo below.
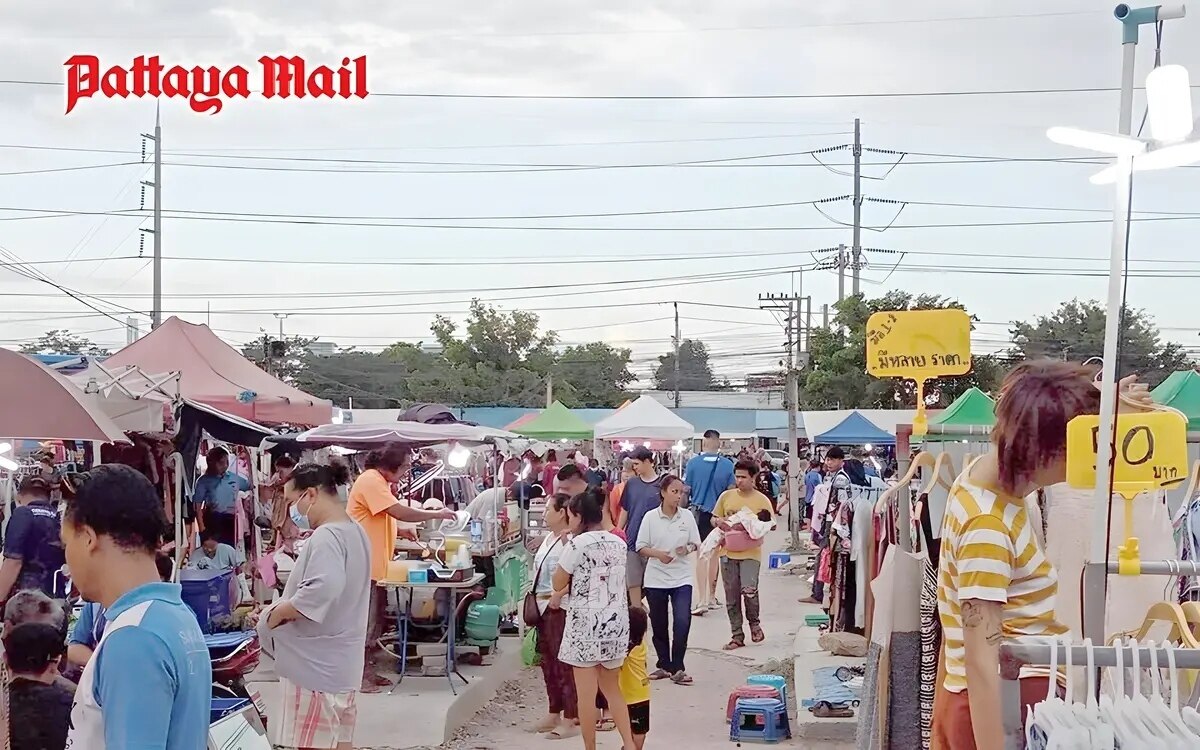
681 678
733 646
606 725
757 635
660 674
562 733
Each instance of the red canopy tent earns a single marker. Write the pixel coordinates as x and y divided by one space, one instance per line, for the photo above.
215 374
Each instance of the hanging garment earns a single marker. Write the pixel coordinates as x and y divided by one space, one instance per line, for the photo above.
931 625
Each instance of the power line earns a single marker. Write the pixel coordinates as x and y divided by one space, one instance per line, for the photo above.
78 168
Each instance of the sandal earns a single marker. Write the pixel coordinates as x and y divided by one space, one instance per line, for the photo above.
733 645
606 725
545 726
563 732
681 678
756 634
660 674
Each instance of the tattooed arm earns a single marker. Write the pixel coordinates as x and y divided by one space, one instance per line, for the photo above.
982 634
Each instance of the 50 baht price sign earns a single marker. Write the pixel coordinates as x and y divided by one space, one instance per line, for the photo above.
919 345
1150 452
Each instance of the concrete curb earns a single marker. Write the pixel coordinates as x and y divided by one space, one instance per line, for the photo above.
483 689
808 655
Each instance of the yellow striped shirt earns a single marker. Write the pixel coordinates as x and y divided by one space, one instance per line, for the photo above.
990 552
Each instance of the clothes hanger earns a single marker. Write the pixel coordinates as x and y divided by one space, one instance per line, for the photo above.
919 461
944 461
1169 612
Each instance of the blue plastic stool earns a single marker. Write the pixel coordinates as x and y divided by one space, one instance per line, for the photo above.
772 680
778 559
759 720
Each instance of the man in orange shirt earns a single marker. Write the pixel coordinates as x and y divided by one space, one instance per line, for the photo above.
372 504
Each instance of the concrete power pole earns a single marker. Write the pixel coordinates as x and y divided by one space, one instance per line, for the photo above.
856 247
156 313
791 305
841 266
675 341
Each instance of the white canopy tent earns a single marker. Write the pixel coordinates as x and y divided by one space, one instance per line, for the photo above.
644 419
132 399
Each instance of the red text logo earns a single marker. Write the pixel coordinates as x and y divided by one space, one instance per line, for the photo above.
207 89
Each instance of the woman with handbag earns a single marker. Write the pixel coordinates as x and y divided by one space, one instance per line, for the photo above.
544 609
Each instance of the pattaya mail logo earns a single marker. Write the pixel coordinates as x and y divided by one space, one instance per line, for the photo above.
206 89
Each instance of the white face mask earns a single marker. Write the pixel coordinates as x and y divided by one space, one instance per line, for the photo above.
300 519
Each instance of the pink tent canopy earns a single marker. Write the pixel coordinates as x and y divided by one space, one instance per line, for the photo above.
216 374
37 403
522 421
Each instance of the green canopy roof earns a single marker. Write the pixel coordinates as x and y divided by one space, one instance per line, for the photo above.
1181 390
557 422
972 408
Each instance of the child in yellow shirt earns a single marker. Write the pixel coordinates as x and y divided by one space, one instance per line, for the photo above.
634 678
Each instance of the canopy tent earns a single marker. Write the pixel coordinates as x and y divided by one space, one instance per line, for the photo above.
556 422
1181 390
213 373
855 429
644 419
40 404
137 402
974 408
524 419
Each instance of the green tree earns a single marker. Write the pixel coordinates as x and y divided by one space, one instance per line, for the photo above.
695 372
61 341
505 341
593 375
288 366
836 377
1075 332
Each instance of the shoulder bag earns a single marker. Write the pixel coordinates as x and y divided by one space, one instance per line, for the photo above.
530 612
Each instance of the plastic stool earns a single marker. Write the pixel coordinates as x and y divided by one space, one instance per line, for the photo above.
747 714
778 559
748 691
774 680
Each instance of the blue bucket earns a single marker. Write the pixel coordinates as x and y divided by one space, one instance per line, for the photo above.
209 593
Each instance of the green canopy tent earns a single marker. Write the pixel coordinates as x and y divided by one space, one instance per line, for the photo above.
1181 390
556 422
972 413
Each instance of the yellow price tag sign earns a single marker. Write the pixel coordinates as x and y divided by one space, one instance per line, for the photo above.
919 344
1151 452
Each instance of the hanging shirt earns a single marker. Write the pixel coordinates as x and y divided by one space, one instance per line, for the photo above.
149 684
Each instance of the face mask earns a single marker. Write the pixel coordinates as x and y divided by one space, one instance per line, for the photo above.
300 519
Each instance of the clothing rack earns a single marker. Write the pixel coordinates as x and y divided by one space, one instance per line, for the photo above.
1013 656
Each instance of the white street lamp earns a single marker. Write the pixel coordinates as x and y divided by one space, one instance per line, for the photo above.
1168 100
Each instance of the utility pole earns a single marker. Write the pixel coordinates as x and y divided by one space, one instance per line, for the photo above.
856 247
675 341
791 304
156 311
841 265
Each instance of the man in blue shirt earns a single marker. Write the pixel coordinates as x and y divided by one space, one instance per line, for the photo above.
707 475
216 496
148 685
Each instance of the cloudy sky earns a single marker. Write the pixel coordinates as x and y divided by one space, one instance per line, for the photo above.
360 219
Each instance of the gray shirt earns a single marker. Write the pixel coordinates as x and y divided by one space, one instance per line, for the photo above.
331 587
637 499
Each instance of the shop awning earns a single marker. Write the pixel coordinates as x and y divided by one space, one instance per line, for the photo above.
855 429
39 404
213 373
1181 390
556 422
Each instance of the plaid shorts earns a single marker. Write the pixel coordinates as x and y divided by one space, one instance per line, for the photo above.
313 720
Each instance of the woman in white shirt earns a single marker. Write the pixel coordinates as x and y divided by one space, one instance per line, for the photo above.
667 537
562 715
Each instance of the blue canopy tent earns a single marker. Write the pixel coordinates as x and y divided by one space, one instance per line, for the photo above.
855 429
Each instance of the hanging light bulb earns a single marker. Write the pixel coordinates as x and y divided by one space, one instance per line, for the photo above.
1169 103
458 456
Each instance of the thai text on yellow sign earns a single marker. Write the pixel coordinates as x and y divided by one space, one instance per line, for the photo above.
1150 453
919 344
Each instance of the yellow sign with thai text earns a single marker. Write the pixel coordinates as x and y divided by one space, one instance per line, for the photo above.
919 344
1151 451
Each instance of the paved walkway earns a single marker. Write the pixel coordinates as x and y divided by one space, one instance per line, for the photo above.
691 717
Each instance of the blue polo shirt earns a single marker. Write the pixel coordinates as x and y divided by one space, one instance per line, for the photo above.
153 680
220 493
708 474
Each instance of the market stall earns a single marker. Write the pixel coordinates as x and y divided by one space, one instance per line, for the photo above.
646 422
